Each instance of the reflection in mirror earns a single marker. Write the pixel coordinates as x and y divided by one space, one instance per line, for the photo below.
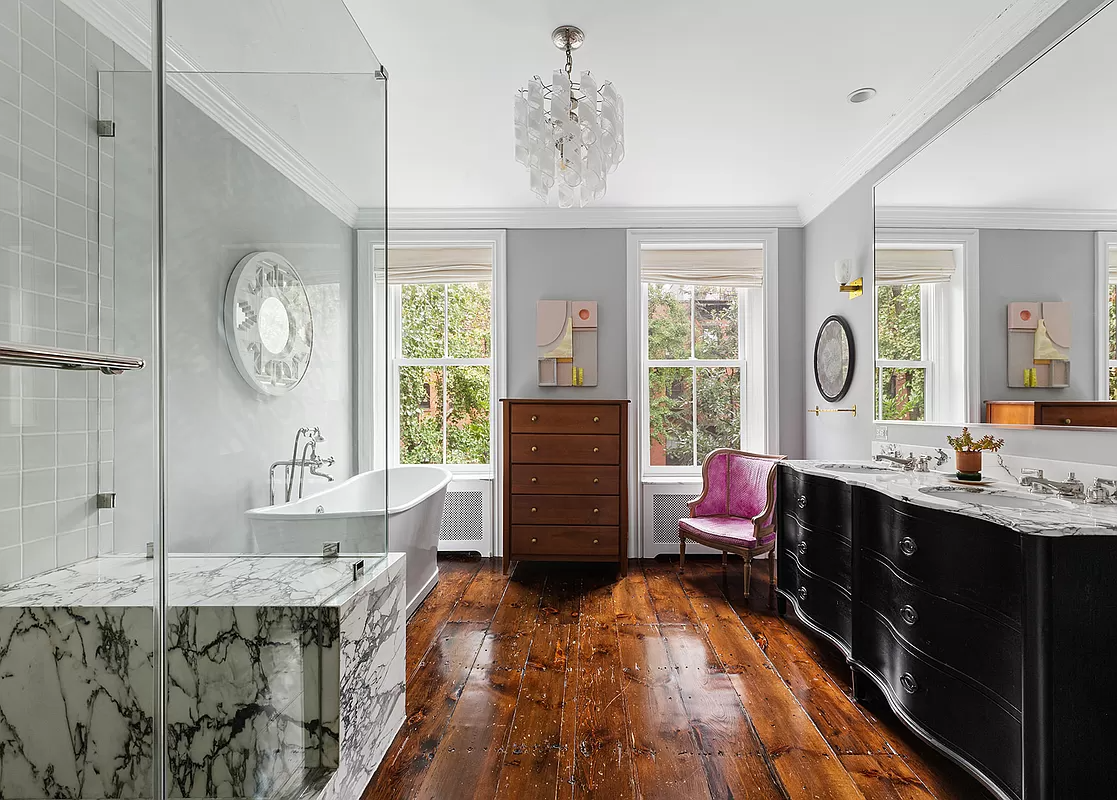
996 255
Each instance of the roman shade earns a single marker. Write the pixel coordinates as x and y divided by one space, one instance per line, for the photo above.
740 267
435 264
914 266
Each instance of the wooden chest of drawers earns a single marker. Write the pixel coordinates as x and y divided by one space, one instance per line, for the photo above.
566 481
1074 414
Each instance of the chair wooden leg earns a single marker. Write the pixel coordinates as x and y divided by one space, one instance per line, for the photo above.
771 579
682 553
748 574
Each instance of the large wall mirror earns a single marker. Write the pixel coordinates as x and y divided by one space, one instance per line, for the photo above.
996 254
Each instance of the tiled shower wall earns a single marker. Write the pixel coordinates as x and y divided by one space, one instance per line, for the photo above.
56 267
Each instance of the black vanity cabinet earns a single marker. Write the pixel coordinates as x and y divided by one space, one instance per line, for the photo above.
994 645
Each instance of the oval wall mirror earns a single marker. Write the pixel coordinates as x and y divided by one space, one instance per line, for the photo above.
268 323
833 359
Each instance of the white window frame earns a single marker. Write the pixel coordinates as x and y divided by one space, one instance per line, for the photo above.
758 357
949 321
374 415
1106 240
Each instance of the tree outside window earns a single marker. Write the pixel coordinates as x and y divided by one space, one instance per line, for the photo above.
901 368
1113 341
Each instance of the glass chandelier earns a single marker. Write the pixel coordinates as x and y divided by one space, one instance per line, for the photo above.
569 134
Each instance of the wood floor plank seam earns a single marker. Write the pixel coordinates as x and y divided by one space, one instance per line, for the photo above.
442 626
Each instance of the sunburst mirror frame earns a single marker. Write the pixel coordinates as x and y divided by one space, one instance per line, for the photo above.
268 323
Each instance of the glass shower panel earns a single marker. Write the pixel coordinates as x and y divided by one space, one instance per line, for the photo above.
76 606
273 149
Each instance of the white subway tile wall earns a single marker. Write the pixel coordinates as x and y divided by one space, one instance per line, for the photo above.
56 223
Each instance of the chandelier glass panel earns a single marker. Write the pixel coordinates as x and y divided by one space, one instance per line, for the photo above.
569 134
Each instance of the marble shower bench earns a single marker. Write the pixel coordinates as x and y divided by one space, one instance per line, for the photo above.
285 677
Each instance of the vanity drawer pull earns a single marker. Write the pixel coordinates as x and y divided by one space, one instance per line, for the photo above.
802 592
908 682
801 501
534 448
597 419
908 546
534 419
909 614
802 548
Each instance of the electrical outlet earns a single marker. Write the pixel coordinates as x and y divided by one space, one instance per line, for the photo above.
882 433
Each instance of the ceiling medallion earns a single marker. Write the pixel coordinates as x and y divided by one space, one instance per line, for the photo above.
569 134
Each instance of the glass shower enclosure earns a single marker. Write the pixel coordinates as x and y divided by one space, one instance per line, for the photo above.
187 551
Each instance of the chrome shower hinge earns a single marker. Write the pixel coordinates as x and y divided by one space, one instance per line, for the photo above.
106 129
106 500
358 569
331 549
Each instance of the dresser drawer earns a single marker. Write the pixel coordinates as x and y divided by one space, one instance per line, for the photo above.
967 560
564 509
821 504
968 719
978 646
552 448
564 541
822 603
551 479
822 552
564 418
1094 415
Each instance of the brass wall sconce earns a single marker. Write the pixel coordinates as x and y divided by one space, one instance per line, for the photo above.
843 273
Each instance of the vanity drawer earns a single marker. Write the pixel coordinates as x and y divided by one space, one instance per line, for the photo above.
551 479
565 418
967 719
821 504
976 645
819 601
528 448
564 509
970 561
565 541
822 552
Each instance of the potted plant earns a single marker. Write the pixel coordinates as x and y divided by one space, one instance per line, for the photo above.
967 453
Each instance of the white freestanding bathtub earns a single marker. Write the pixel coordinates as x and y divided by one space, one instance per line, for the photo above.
352 513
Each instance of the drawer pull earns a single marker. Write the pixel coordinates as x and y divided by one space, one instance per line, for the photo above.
907 680
909 615
1066 421
534 480
595 541
534 509
802 548
534 419
802 501
597 419
908 546
595 480
534 540
534 448
802 592
595 511
596 449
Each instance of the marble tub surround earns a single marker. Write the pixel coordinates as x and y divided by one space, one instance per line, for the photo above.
1057 517
297 692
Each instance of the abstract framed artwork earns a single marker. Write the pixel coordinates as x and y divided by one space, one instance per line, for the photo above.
566 341
1039 345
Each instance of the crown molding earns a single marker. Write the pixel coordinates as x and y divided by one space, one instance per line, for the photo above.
591 217
985 47
132 32
1034 219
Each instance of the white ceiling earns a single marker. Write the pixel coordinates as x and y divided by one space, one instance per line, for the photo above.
729 103
1045 141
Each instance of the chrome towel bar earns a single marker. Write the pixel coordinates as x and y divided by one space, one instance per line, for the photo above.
30 355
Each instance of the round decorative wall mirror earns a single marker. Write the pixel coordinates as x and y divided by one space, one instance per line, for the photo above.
833 359
268 323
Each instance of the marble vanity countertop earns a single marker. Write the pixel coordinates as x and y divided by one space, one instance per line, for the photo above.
1047 515
260 581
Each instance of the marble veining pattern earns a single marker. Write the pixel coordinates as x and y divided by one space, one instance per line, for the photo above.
1056 517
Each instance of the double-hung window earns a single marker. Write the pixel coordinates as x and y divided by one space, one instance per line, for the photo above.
1111 318
919 373
701 353
441 354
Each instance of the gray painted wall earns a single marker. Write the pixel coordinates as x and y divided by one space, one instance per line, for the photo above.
845 230
1036 265
223 203
589 264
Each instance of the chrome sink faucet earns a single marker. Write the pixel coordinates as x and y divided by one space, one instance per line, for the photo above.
1102 492
1034 480
908 464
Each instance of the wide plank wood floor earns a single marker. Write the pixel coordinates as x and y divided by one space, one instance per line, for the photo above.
562 681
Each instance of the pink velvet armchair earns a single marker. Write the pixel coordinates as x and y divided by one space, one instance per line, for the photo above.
736 512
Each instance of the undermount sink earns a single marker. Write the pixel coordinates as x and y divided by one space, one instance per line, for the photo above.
1001 499
870 468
